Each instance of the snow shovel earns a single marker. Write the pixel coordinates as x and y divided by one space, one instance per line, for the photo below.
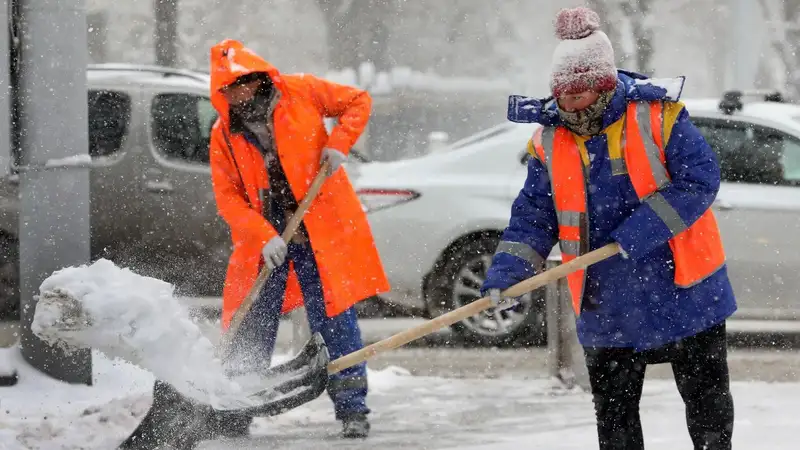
310 369
182 423
469 310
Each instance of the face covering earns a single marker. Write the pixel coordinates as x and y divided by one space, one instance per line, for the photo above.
588 121
257 108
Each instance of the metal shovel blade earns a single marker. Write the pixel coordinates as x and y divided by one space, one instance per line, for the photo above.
181 423
293 383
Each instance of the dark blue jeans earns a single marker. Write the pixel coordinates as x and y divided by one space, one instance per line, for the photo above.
258 332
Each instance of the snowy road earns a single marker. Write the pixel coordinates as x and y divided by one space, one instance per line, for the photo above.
438 413
442 401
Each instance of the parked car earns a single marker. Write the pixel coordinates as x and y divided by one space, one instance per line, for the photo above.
152 205
437 219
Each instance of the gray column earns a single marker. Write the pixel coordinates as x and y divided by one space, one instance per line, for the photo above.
54 174
5 94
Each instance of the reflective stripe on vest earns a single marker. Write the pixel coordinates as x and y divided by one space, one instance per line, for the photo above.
523 251
569 196
697 250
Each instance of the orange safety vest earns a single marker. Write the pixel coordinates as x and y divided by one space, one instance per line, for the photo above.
697 249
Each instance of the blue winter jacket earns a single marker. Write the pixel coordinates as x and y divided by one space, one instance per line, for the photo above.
637 302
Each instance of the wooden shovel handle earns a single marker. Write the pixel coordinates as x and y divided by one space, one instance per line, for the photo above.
288 234
471 309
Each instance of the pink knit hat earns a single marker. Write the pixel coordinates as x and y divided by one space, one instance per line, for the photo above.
584 59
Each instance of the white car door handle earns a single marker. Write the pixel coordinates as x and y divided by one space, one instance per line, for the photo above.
162 187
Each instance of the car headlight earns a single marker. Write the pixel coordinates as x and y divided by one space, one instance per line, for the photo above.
376 199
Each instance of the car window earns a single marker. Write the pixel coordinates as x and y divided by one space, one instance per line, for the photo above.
791 160
109 121
181 126
752 154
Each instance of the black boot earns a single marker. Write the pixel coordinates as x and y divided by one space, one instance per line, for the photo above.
355 427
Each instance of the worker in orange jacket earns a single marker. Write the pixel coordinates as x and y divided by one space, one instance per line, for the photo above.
266 148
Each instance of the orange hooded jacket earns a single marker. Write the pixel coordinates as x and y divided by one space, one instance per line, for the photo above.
349 265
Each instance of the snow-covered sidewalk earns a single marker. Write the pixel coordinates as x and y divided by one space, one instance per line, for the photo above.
439 413
409 412
42 413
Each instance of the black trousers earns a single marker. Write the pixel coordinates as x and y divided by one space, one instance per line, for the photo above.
700 366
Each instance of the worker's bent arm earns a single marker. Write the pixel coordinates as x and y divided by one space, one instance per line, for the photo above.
350 105
695 179
531 233
230 194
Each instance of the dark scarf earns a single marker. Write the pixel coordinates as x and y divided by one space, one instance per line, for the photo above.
588 121
257 109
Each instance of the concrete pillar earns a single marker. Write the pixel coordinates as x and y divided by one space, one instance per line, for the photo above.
5 94
54 169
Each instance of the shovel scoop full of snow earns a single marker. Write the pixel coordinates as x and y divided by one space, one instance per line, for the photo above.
136 318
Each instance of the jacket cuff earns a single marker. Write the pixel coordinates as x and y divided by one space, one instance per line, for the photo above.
506 271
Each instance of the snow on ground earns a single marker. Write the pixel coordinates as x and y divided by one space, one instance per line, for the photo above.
408 412
41 413
506 414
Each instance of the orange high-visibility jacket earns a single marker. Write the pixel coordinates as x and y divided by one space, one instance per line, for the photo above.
349 265
697 250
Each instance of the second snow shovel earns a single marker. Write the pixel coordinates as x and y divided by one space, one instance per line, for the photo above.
464 312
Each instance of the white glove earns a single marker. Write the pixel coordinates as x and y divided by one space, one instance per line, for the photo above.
501 303
274 252
335 157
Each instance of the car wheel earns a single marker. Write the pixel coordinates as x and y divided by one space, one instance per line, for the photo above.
457 282
9 279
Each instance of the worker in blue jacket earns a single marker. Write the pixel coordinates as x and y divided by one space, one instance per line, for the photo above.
650 179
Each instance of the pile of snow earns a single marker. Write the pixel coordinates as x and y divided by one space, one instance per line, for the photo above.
138 319
41 413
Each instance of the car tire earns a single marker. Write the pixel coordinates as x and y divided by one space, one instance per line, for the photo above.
454 284
9 279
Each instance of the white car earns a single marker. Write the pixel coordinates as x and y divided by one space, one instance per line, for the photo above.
437 219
